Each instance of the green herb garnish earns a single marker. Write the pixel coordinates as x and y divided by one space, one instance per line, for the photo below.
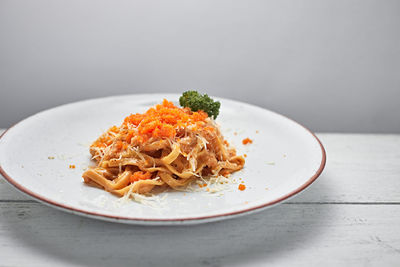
196 101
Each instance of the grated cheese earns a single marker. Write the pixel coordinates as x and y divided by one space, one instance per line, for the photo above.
210 185
203 140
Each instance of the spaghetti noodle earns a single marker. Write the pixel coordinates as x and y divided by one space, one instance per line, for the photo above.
167 146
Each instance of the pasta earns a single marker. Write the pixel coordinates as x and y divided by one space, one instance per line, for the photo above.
167 146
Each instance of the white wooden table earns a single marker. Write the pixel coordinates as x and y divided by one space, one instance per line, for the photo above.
349 217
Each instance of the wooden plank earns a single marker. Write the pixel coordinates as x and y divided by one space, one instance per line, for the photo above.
360 168
287 235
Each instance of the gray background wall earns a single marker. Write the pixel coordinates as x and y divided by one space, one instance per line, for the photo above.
332 65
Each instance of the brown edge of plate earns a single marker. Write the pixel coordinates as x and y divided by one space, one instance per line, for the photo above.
193 219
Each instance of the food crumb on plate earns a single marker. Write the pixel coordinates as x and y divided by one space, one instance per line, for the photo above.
241 187
72 166
247 141
50 157
271 162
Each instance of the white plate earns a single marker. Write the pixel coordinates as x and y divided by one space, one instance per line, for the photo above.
283 160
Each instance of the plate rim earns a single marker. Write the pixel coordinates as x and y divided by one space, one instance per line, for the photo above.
139 220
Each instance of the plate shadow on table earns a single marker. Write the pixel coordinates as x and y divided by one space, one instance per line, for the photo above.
273 233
